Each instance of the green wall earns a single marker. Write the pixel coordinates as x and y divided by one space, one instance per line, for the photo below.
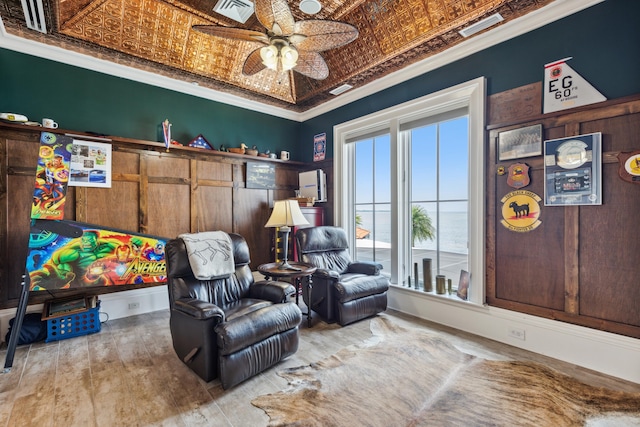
604 41
83 100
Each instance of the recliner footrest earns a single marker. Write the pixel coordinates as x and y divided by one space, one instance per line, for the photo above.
355 286
246 330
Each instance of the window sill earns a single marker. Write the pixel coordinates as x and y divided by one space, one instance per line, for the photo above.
446 298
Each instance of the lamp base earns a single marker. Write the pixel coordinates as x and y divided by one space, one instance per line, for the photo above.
284 265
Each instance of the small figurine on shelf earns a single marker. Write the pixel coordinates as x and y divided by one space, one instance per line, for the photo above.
238 150
253 151
166 132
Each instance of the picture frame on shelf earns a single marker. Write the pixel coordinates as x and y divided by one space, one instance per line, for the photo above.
64 307
463 285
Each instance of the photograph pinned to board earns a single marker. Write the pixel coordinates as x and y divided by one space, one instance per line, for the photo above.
90 164
572 170
522 142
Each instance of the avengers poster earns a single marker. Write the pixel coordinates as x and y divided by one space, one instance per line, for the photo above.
67 254
52 176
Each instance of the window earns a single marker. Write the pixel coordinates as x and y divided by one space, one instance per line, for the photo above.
409 185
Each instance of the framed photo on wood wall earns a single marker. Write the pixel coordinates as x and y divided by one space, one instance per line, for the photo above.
517 143
572 170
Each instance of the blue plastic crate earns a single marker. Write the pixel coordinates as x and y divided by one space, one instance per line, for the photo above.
74 325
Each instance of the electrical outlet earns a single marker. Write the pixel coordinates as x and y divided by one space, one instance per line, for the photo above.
134 305
517 333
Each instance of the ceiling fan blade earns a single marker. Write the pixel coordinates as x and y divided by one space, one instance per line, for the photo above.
270 12
233 33
311 64
323 35
253 64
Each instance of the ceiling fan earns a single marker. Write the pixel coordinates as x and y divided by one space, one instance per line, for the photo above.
287 44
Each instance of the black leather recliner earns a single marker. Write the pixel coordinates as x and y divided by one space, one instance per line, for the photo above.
343 290
231 327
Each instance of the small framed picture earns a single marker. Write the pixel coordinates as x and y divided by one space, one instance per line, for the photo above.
463 285
64 307
517 143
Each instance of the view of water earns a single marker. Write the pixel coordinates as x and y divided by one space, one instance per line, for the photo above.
451 230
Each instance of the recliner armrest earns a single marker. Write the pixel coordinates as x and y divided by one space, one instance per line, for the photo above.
369 268
273 291
198 309
326 274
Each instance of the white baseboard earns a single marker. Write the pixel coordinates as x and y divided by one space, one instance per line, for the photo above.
611 354
115 305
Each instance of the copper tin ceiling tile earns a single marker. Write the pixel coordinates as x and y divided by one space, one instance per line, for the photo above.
156 35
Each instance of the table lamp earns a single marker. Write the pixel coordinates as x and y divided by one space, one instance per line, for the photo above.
286 213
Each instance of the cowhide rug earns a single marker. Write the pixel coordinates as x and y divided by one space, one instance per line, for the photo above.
409 377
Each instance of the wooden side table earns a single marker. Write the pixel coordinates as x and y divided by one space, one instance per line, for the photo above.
302 271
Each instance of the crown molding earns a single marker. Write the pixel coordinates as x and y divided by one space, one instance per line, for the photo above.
545 15
534 20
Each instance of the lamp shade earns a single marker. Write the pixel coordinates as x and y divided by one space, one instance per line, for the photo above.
286 213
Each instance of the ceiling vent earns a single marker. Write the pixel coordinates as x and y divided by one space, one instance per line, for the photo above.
34 15
238 10
481 25
340 89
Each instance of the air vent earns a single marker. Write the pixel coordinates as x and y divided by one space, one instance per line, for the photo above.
481 25
34 15
238 10
340 89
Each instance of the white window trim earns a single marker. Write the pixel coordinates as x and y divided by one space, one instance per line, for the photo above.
470 94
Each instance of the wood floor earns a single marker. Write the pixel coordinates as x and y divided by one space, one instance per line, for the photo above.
128 375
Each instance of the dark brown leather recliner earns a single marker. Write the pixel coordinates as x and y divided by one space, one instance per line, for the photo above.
343 290
230 327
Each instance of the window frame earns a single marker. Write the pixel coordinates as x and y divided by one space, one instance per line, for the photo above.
470 95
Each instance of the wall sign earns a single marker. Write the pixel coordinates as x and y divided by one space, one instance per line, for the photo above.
521 211
564 88
518 175
629 166
319 147
261 175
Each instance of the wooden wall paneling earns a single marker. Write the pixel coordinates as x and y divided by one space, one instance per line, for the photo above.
609 253
214 183
194 211
571 259
4 220
168 209
212 213
491 221
20 159
583 259
113 207
143 191
250 214
529 266
571 242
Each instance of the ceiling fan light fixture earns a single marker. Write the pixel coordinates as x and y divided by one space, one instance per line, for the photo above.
288 57
310 7
269 55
